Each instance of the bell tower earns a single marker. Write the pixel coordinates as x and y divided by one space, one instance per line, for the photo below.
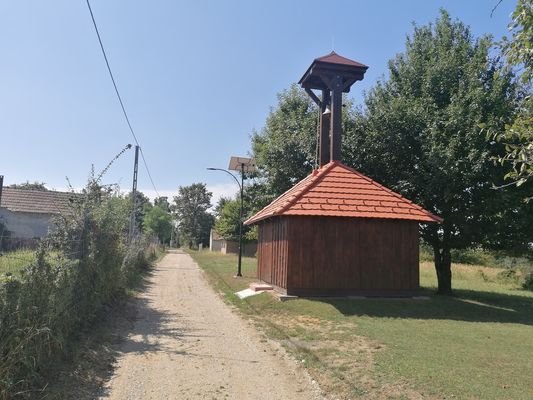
333 75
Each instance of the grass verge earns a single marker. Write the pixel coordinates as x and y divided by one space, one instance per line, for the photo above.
475 345
12 262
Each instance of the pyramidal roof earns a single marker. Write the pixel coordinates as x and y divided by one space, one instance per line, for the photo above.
336 190
334 58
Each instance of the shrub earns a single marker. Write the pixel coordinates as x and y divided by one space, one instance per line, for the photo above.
527 284
83 266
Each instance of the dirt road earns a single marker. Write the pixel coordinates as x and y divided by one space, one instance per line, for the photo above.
187 344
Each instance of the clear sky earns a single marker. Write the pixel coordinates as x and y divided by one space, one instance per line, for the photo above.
197 77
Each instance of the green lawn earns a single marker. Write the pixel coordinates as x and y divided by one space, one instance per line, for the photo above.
13 262
476 345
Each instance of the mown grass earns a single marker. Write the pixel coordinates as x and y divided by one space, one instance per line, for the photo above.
15 261
475 345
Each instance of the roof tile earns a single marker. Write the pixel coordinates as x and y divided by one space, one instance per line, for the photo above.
36 201
336 190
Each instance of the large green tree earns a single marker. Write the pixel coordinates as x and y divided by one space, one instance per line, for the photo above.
421 135
190 208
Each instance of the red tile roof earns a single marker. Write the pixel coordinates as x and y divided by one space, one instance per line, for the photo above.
336 190
334 58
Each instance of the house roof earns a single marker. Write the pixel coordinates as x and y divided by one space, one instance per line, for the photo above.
336 190
36 201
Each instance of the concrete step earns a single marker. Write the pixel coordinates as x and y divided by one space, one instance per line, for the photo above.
259 286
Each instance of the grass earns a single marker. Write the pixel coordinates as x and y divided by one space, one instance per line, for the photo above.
475 345
15 261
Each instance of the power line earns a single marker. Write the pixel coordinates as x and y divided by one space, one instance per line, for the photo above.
148 171
119 97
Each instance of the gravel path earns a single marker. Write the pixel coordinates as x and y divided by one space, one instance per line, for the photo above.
187 344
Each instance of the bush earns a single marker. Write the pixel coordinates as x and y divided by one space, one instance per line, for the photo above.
527 284
83 266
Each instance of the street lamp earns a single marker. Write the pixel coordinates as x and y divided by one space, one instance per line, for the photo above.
241 164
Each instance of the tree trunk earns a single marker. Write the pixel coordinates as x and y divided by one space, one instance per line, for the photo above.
443 267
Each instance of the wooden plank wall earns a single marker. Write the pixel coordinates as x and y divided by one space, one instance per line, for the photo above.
337 256
272 252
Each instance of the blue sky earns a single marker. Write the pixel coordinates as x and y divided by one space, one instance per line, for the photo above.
197 77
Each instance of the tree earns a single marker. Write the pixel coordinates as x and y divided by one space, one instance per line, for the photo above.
142 205
30 186
227 221
158 222
190 207
422 138
518 136
285 149
162 202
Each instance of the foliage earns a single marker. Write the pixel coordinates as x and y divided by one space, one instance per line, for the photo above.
142 206
228 220
13 262
519 49
30 186
285 149
4 235
82 267
422 138
528 282
162 202
190 208
518 135
158 222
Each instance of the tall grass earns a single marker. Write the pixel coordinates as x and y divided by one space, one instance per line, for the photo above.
12 263
49 297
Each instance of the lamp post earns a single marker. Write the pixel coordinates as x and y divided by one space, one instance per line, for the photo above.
240 213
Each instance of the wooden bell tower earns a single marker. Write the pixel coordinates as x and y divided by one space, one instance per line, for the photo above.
333 75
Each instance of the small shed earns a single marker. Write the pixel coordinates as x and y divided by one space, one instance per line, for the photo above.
338 232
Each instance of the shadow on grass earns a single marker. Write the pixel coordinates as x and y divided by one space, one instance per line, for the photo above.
465 305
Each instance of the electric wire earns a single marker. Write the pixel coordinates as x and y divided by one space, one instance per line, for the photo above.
119 97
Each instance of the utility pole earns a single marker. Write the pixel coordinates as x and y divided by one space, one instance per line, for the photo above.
134 195
1 187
